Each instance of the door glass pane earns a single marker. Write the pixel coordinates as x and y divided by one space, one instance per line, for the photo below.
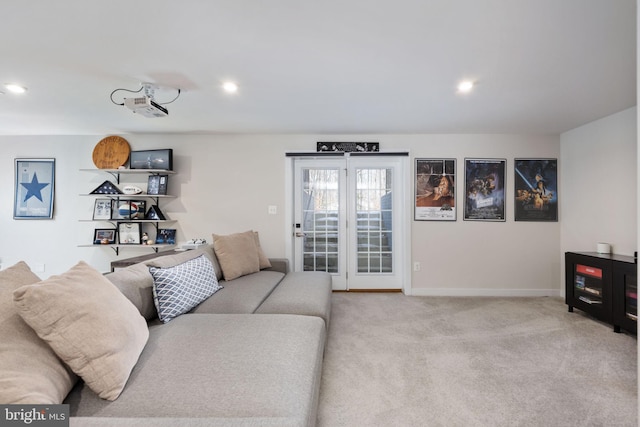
374 220
320 214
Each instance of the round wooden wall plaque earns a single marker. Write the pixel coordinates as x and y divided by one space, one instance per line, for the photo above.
111 152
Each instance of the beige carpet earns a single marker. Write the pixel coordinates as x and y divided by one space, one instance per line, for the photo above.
393 360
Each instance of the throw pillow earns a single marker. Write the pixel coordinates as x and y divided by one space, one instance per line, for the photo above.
30 372
180 257
178 289
263 260
237 254
90 325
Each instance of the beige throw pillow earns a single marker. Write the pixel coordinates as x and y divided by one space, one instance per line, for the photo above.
30 372
90 325
262 257
237 254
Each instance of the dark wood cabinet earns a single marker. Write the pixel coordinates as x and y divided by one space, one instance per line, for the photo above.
603 285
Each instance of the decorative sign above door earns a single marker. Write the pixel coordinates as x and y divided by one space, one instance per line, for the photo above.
348 147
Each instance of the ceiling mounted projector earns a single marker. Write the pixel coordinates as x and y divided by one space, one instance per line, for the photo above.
145 106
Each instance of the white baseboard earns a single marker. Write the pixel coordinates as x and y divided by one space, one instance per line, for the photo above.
470 292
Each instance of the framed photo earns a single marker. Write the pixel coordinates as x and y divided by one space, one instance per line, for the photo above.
484 189
157 184
129 233
435 197
104 236
166 236
152 159
536 189
129 209
34 188
102 209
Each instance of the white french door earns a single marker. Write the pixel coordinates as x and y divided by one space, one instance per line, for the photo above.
348 220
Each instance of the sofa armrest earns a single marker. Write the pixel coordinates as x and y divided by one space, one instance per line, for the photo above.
279 264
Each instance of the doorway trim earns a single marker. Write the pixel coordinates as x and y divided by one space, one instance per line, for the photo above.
405 226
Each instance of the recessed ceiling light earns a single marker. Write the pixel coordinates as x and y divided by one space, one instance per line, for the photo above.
465 86
15 88
230 87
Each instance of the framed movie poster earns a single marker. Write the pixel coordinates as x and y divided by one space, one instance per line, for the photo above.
435 197
34 188
536 189
484 189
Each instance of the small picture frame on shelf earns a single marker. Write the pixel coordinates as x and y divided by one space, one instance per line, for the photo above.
130 209
152 159
104 236
155 213
129 233
166 236
102 209
157 185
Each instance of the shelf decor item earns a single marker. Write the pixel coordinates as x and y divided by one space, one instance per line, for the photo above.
152 159
129 233
348 147
106 187
104 236
536 189
130 209
157 185
102 209
34 188
111 152
435 198
155 213
166 236
485 182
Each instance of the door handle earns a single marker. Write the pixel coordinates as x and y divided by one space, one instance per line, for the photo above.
300 234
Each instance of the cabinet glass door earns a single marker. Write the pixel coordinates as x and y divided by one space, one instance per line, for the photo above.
631 297
588 284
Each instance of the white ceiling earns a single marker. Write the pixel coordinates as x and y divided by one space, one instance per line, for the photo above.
305 66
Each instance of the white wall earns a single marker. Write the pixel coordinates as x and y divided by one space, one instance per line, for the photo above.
599 185
226 182
486 258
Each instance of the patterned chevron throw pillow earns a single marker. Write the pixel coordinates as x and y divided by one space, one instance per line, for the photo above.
178 289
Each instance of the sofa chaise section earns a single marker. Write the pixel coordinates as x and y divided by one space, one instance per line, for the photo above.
226 368
306 293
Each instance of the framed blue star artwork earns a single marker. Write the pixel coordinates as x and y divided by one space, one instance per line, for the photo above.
34 189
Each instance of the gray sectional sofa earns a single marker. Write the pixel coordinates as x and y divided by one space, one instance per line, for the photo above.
250 355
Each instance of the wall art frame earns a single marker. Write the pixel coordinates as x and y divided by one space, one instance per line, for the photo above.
129 209
166 236
104 236
102 209
129 233
34 188
152 159
536 189
434 195
485 189
157 184
348 147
